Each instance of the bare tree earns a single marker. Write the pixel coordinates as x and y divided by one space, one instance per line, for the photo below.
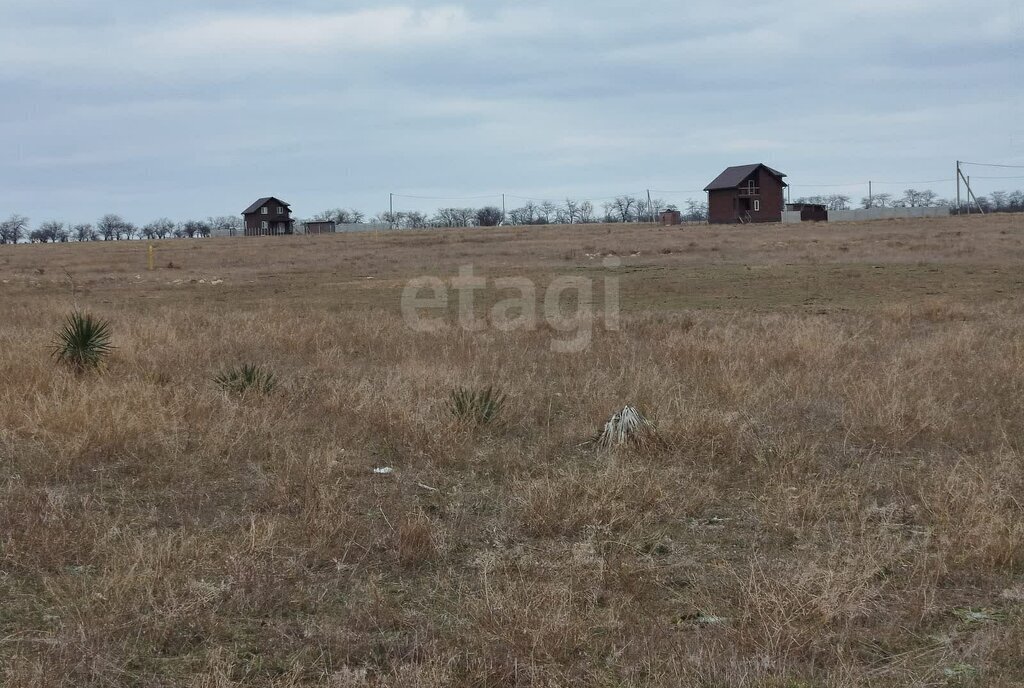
546 212
454 217
158 229
50 232
625 208
113 227
230 225
13 229
882 200
696 211
387 217
343 216
445 217
488 217
194 229
813 200
911 199
837 202
416 220
526 215
586 212
572 211
84 232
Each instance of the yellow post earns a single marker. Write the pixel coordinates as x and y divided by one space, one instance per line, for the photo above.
151 258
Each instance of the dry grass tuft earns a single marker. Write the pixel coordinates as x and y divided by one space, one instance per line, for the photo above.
415 541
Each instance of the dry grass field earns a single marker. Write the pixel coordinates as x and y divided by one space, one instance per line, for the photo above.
836 497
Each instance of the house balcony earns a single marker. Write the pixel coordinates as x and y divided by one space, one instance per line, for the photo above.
749 191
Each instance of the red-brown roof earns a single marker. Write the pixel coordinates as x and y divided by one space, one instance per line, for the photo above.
262 202
734 176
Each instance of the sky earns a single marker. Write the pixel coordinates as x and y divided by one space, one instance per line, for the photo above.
187 109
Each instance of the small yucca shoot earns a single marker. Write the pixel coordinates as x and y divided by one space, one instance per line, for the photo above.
246 378
476 407
82 342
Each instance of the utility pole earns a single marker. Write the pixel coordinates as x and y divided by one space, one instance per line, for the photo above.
958 206
970 195
871 197
503 209
650 206
970 192
391 211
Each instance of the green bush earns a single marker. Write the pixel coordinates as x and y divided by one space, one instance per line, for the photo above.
83 342
476 407
247 378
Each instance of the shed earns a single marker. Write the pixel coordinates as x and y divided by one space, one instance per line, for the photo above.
809 212
670 218
320 227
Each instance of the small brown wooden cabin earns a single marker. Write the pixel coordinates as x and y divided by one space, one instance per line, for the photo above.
747 193
809 212
320 227
268 217
671 218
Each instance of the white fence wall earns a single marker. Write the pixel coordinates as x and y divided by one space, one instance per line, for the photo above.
864 215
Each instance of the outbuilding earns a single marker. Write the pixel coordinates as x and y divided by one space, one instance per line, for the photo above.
809 212
320 227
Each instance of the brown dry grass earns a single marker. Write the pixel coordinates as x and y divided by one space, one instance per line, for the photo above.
839 487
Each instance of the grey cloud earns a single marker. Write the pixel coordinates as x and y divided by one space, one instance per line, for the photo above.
143 108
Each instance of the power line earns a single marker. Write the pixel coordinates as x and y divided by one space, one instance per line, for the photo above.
447 198
865 183
926 181
559 200
825 186
989 164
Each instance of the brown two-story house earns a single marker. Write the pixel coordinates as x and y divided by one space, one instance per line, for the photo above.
748 193
268 217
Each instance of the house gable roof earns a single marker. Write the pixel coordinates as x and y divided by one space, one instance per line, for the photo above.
262 202
734 176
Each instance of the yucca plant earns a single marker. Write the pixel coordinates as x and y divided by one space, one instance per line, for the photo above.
82 342
476 407
627 427
247 378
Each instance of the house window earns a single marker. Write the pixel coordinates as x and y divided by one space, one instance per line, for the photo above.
265 210
757 205
280 210
265 224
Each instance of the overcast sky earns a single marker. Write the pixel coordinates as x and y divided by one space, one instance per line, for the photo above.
190 108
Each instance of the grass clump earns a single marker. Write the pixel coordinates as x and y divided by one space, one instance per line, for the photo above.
83 342
476 407
247 378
